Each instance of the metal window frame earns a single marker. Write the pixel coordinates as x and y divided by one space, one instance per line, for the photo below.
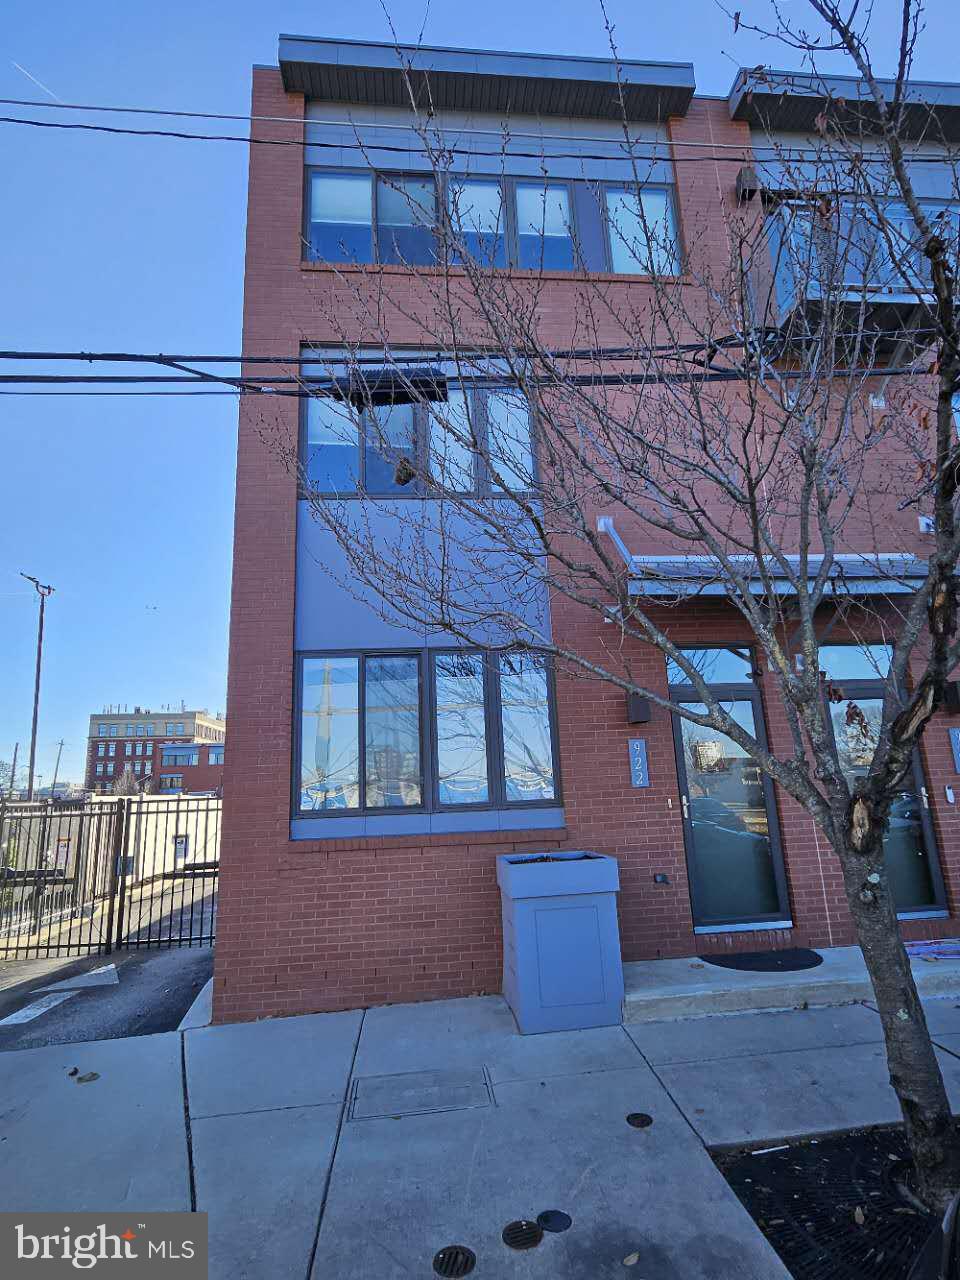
671 189
508 199
733 692
874 689
307 219
399 176
426 705
476 390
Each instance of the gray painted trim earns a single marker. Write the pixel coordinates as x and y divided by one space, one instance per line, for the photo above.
406 824
484 80
792 101
744 928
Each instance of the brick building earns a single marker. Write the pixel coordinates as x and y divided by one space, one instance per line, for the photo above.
344 886
183 750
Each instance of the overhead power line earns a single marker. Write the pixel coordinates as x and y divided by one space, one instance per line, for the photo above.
434 126
662 153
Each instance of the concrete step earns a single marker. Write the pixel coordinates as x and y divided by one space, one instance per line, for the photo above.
689 987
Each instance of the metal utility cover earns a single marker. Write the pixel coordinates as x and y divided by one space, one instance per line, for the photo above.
415 1092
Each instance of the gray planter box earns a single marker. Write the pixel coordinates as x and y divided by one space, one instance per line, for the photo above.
561 941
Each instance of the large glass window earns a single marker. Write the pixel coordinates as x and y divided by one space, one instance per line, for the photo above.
180 756
392 732
340 227
714 666
642 230
544 239
332 448
347 449
330 734
461 729
525 719
508 439
390 434
363 747
406 216
478 217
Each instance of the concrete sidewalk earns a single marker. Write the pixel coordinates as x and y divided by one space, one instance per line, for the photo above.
340 1146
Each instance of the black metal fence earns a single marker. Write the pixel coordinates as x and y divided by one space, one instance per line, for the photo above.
108 873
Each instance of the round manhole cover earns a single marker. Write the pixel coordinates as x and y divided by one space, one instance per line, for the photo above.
455 1260
639 1120
522 1234
554 1220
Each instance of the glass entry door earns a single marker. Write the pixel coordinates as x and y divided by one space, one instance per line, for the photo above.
734 859
732 845
908 847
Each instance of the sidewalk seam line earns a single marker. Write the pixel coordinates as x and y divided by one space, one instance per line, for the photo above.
336 1146
186 1122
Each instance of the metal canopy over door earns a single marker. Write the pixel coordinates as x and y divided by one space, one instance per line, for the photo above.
731 835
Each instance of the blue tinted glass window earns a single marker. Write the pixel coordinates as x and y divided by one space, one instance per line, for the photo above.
544 239
340 217
477 215
714 666
332 461
643 236
389 437
855 662
406 213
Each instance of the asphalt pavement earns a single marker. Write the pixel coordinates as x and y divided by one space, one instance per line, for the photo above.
132 993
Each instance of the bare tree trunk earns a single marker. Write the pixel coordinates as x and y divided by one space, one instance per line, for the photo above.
914 1070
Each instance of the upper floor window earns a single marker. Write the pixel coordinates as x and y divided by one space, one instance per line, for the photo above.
425 731
641 230
171 782
216 755
364 217
113 731
478 215
141 730
476 440
186 755
102 731
544 226
128 732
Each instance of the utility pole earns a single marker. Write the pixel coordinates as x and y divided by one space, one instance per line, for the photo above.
42 591
56 770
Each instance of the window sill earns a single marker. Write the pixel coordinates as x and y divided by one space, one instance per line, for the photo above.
394 269
762 927
458 822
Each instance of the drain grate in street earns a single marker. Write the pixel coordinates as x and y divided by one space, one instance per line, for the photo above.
554 1220
522 1234
455 1260
639 1120
832 1208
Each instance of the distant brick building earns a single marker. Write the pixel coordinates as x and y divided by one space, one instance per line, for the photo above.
356 869
181 750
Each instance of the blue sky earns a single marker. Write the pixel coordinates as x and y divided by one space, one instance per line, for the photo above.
126 505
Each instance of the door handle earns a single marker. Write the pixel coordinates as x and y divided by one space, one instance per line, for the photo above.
924 797
686 810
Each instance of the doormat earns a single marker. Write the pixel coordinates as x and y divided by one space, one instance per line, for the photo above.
786 961
831 1208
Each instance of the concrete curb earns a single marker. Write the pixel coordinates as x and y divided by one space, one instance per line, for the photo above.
201 1011
698 1002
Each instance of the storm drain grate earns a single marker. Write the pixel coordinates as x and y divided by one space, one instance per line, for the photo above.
831 1208
455 1260
522 1234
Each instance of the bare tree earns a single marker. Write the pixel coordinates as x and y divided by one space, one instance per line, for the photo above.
128 784
725 420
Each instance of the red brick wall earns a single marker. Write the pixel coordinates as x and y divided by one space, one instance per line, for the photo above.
333 924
